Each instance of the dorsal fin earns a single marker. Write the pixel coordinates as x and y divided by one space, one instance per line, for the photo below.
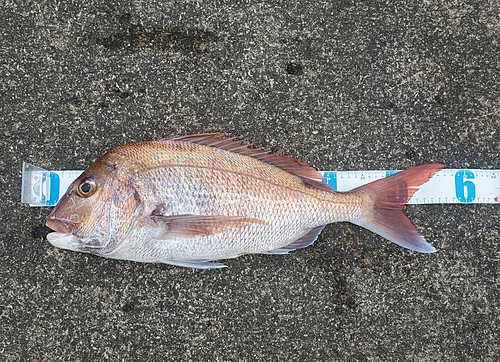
307 173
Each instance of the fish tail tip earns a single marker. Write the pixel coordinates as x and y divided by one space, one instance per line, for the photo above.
430 250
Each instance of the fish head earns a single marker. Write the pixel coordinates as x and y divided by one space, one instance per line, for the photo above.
97 211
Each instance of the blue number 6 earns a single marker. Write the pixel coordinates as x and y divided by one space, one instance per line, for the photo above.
463 188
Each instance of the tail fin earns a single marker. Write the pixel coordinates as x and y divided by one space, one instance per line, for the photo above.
389 195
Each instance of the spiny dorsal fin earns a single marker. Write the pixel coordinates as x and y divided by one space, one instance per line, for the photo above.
307 173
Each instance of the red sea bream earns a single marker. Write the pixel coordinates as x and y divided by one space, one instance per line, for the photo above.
193 200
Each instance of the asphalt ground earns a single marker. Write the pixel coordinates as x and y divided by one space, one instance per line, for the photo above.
342 85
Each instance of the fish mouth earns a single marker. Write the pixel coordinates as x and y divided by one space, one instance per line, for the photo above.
63 236
62 226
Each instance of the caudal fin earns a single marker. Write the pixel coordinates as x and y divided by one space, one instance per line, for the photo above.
389 195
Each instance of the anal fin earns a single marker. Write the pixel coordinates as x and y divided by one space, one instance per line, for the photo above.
195 264
302 242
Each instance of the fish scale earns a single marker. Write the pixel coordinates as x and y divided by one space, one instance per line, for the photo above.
277 204
191 200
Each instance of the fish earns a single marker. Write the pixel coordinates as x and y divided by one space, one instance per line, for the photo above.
194 200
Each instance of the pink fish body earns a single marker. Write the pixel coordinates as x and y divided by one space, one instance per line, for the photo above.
192 200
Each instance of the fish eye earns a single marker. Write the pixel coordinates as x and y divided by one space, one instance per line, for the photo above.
87 187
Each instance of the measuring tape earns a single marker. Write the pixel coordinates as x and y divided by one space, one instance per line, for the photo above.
448 186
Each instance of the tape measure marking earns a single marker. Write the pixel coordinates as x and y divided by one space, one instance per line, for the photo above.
448 186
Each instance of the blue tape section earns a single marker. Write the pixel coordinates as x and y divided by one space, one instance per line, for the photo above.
54 189
330 178
465 190
390 172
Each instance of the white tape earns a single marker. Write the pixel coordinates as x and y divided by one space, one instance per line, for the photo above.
449 186
44 188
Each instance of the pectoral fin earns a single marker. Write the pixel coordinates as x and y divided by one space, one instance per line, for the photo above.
199 225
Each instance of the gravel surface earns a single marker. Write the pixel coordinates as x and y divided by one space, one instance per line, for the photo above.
339 84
